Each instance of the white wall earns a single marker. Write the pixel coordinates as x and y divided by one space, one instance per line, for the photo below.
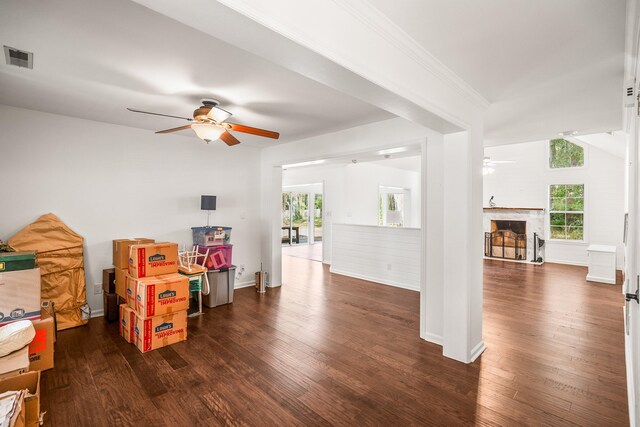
351 193
389 255
107 181
525 184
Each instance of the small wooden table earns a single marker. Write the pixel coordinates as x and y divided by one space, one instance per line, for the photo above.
294 228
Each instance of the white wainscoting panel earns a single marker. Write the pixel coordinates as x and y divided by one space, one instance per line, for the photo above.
387 255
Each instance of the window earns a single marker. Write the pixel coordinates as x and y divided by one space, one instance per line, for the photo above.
391 206
565 154
566 212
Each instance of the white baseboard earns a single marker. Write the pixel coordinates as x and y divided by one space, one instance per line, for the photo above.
631 386
477 351
433 338
600 280
376 280
576 263
241 285
560 261
97 313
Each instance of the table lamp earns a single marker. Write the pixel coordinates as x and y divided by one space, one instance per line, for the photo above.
208 203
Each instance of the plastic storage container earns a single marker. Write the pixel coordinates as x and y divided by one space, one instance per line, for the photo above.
222 284
220 257
211 236
15 261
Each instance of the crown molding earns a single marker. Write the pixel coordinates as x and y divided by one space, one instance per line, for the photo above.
368 14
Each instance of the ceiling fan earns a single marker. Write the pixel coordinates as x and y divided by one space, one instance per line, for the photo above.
488 165
209 124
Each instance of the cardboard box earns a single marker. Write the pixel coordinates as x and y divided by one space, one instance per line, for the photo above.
109 280
160 331
111 306
132 283
153 259
19 295
121 250
47 311
155 296
14 363
41 348
121 282
13 408
127 323
30 382
12 261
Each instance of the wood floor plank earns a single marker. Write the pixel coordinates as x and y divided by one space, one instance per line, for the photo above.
326 350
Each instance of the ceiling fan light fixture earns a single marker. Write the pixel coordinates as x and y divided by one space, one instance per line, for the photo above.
218 114
207 131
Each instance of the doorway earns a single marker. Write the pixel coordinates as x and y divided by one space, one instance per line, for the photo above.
302 220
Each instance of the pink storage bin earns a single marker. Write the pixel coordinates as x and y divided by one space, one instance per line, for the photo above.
220 256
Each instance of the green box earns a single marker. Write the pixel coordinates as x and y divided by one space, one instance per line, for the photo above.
14 261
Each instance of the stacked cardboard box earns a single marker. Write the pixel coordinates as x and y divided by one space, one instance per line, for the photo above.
30 406
121 249
20 287
19 295
114 279
157 298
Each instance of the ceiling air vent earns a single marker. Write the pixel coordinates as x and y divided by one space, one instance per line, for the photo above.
17 57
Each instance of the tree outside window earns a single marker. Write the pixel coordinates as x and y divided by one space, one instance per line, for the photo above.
391 209
565 154
566 212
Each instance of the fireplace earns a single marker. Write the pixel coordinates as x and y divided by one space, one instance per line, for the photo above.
507 239
513 234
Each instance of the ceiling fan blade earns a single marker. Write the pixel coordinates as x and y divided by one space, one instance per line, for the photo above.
218 114
229 139
174 129
158 114
253 131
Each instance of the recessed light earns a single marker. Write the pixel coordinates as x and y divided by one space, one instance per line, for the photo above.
309 163
568 133
393 150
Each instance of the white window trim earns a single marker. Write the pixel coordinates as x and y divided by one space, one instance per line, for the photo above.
574 168
585 220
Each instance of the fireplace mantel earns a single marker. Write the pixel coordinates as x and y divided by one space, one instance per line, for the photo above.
502 208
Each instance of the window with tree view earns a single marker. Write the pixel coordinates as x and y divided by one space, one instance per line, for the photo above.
565 154
566 211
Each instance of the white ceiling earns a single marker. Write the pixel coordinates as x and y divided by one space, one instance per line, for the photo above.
546 65
95 58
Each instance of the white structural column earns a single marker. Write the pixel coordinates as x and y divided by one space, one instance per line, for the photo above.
452 314
432 292
271 199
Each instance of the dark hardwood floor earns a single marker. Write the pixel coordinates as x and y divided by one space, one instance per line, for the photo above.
330 350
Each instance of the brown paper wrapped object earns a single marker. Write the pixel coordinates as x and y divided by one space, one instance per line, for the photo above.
61 261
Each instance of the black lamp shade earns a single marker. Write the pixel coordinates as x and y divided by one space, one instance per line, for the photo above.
208 203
